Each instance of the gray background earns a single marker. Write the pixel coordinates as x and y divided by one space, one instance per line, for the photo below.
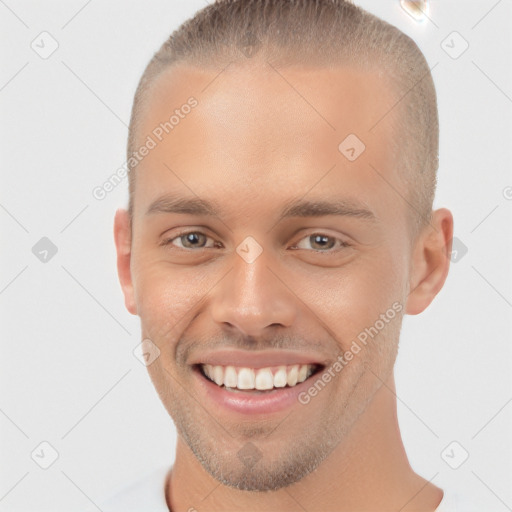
67 373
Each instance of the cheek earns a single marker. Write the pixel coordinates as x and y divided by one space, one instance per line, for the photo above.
166 298
352 298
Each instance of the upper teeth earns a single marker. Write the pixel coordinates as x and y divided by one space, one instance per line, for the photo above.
258 378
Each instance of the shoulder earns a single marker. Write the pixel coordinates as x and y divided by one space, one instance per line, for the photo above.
145 493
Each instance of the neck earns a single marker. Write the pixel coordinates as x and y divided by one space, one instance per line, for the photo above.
367 471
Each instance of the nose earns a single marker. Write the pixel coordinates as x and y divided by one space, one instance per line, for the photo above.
252 298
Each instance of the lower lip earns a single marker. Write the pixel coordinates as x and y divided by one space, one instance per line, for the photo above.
248 402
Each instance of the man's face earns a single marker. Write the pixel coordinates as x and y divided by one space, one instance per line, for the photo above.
257 142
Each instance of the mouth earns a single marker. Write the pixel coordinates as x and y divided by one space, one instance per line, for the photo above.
247 379
253 391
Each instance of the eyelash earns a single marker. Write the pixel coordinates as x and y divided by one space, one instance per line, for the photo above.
342 244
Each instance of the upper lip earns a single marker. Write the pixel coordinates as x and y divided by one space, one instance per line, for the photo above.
257 359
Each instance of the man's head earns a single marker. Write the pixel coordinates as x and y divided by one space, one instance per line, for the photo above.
285 220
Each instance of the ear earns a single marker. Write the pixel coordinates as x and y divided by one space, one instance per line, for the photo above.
123 240
430 261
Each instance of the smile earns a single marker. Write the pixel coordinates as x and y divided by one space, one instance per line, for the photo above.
256 383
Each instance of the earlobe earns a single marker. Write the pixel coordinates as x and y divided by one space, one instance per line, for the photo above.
431 262
122 237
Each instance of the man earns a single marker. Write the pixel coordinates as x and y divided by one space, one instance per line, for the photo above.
283 159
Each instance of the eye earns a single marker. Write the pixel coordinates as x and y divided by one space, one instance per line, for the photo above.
190 240
320 242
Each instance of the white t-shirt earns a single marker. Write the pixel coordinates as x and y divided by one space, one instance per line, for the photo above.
148 494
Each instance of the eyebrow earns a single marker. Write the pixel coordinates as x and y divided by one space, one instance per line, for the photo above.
294 208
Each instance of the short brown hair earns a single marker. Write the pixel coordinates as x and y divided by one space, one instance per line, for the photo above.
319 32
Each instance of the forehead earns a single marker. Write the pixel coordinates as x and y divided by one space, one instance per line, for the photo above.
268 132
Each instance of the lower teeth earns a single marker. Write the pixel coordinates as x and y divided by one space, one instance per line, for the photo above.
258 391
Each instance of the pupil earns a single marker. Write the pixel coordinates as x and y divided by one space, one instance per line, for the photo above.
192 238
321 240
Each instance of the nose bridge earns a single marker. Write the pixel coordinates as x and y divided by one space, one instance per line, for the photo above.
252 297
